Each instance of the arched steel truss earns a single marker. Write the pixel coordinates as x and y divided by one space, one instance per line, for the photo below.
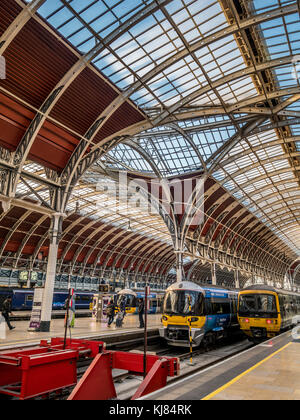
255 241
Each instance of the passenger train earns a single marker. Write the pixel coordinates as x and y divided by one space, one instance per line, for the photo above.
211 312
155 301
264 312
22 299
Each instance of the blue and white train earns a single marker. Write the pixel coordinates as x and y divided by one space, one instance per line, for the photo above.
22 299
210 313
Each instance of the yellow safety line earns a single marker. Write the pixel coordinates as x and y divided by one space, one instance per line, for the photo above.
213 394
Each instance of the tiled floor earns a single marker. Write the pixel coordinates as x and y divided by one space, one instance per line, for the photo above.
84 327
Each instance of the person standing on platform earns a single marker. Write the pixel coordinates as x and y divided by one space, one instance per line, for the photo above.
72 311
6 310
123 306
141 310
110 312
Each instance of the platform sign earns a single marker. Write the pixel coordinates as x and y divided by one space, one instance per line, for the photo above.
35 320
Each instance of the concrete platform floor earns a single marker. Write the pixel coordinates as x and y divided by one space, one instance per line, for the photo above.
275 378
269 371
84 328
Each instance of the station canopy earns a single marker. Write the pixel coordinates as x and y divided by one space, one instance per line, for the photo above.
167 89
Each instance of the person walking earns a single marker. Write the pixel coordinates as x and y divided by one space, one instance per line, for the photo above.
141 310
110 312
6 310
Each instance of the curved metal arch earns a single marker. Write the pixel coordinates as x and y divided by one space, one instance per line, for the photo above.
113 251
12 230
261 178
257 165
278 142
264 235
160 263
155 250
136 246
256 244
173 229
96 232
18 24
259 241
232 228
226 79
286 200
246 234
134 241
164 261
237 215
130 143
26 143
78 234
228 209
148 248
93 249
284 10
27 237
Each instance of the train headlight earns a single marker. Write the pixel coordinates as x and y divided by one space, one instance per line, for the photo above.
165 318
247 321
270 322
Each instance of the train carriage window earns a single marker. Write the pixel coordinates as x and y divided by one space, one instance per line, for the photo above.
220 307
153 303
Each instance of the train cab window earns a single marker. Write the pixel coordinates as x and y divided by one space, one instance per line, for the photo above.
257 305
130 300
184 302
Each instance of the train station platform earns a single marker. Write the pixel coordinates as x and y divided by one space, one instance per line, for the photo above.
84 328
269 371
26 315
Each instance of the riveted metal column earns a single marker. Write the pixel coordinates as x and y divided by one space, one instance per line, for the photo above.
237 279
179 266
213 274
55 233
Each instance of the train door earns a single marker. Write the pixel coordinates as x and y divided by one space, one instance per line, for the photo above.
233 309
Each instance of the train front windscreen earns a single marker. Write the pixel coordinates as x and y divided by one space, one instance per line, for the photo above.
257 305
130 300
184 303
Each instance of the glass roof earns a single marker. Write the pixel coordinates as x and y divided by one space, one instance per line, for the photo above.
186 64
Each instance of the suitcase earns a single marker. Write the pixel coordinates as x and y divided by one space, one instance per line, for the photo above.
119 320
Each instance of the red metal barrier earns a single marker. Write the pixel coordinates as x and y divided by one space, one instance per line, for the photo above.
40 370
49 367
97 383
156 379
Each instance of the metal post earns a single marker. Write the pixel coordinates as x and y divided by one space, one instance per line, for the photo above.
214 274
179 266
29 279
190 334
237 280
51 273
67 319
145 331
